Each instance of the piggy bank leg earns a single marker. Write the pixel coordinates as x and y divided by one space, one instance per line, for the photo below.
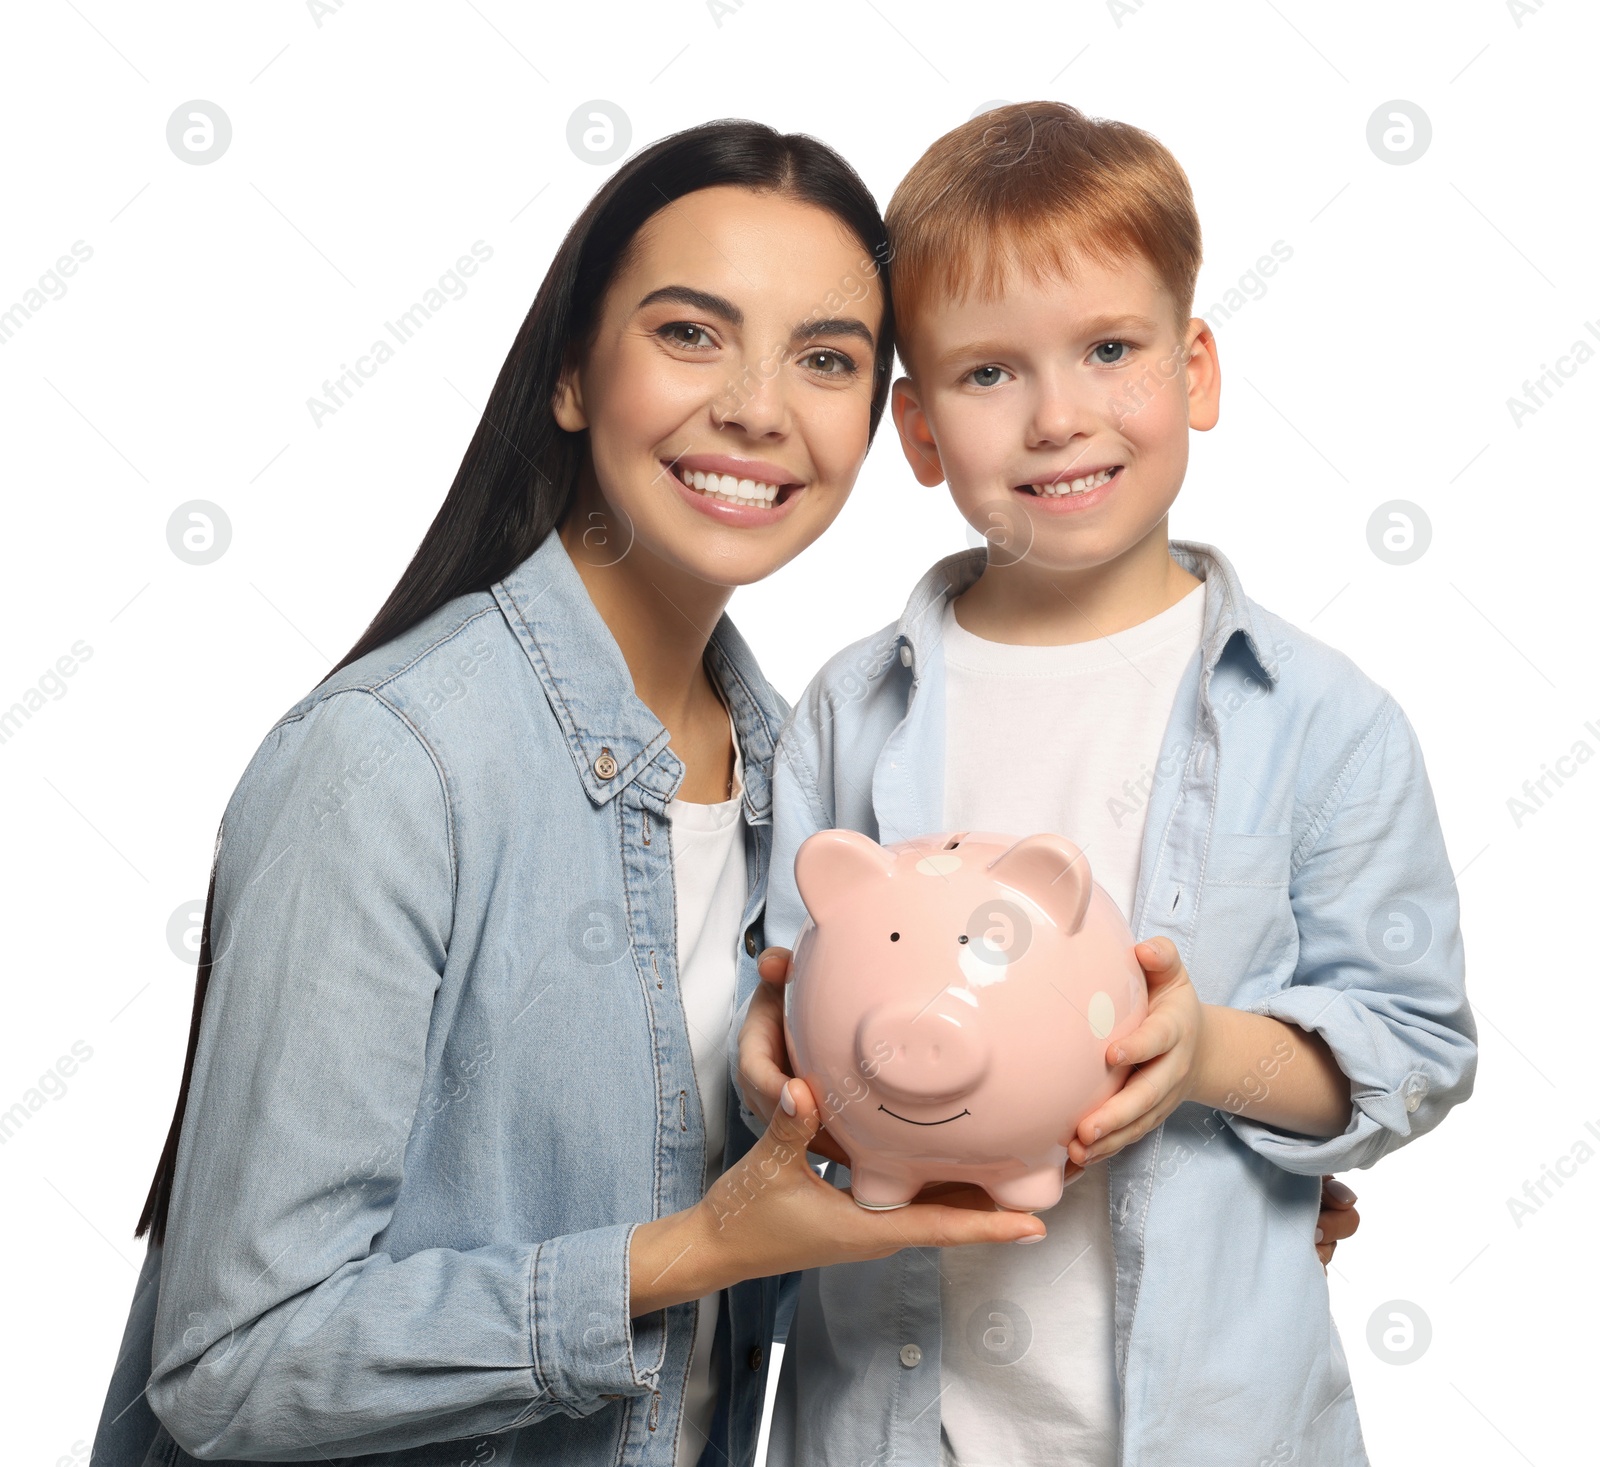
882 1191
1035 1191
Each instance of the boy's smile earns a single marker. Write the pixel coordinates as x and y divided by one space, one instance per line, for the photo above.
1067 401
1073 490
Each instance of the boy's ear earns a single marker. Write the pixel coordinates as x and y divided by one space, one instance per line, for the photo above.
916 437
567 404
1204 376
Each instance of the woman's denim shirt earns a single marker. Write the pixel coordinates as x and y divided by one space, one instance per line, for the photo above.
444 1070
1293 852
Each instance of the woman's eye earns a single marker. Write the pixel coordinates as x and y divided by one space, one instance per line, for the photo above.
1119 351
828 363
987 376
686 333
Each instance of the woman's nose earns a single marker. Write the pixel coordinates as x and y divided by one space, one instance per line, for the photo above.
753 401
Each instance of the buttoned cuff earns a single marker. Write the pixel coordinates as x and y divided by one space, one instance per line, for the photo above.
586 1346
1383 1115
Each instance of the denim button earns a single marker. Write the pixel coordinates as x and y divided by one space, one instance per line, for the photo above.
911 1356
605 766
756 1357
905 654
750 942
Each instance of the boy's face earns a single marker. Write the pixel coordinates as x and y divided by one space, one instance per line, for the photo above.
1059 412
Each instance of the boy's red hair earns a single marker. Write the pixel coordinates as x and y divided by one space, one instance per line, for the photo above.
1029 186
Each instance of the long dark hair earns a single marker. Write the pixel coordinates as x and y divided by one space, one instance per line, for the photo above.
518 475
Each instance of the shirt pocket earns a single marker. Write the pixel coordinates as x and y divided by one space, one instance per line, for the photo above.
1248 860
1246 940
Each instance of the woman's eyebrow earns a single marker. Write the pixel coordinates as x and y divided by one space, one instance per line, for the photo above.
832 326
701 300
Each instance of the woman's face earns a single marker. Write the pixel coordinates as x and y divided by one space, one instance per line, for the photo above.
728 387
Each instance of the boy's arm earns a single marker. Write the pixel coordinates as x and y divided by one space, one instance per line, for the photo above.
1380 975
1371 1042
1273 1072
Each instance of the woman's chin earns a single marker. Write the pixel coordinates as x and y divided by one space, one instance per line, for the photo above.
717 563
730 545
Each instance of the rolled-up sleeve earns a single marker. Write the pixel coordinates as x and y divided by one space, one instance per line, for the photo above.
281 1332
1380 971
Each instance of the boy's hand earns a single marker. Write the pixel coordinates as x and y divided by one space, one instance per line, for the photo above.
764 1054
1165 1050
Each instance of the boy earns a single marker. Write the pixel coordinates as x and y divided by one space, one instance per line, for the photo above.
1251 801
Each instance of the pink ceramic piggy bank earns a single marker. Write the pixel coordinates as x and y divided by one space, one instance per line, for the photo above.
951 1006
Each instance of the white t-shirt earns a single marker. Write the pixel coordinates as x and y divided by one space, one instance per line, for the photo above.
708 872
1061 739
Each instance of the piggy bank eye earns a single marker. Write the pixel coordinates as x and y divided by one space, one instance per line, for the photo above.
962 938
894 937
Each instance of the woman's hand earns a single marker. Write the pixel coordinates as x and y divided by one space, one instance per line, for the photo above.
1338 1218
763 1051
770 1214
1165 1049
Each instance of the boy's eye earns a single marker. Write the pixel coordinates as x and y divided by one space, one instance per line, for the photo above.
829 363
686 333
987 376
1117 350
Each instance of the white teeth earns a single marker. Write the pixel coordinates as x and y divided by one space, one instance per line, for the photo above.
731 489
1073 486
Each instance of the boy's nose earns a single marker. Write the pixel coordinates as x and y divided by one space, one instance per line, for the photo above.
1056 424
1060 414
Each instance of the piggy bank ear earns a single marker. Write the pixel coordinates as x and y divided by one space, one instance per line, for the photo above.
832 863
1053 872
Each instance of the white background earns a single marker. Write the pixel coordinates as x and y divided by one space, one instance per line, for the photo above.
370 151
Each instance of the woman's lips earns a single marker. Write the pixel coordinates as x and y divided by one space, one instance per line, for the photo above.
759 470
747 508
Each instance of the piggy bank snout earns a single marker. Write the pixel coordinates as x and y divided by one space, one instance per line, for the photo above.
921 1050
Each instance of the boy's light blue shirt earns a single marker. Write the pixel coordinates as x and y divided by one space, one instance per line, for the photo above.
1293 852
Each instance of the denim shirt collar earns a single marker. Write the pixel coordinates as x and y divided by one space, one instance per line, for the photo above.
591 693
1229 612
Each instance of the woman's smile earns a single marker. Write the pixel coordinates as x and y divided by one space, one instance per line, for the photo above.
736 491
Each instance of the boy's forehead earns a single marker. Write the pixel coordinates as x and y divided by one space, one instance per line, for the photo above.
1081 295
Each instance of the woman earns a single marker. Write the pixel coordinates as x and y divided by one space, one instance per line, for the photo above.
443 1180
441 1184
